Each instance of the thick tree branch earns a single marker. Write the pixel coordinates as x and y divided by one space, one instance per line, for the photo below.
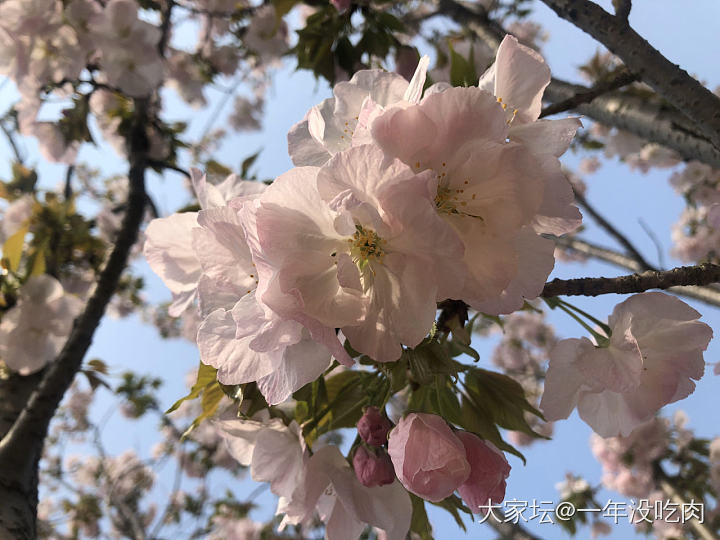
670 81
21 446
703 274
648 119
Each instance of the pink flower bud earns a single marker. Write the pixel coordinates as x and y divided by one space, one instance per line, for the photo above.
373 427
429 459
373 470
488 471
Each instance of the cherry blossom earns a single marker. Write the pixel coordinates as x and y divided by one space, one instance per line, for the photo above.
171 242
274 452
343 503
329 127
34 330
364 252
653 355
205 255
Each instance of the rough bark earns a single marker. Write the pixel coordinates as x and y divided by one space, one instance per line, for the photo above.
17 505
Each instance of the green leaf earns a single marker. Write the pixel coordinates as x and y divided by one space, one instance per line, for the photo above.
13 248
503 397
98 365
419 523
206 376
428 359
211 397
421 400
454 505
462 71
398 375
95 380
448 405
23 179
215 168
38 265
475 420
247 163
347 392
457 347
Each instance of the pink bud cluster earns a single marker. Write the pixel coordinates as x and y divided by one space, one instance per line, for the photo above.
432 461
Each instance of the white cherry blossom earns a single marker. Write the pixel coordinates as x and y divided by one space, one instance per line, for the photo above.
654 354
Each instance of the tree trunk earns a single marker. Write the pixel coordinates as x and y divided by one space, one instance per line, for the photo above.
18 485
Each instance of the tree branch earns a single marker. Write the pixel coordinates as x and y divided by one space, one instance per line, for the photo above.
165 26
622 9
703 274
708 294
21 447
10 136
648 119
670 81
621 79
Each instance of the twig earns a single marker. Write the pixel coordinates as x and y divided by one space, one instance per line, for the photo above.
165 26
686 94
622 79
21 447
614 232
655 240
703 274
647 118
11 140
68 191
167 165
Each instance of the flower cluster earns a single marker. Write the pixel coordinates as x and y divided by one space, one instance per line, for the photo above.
398 201
432 462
